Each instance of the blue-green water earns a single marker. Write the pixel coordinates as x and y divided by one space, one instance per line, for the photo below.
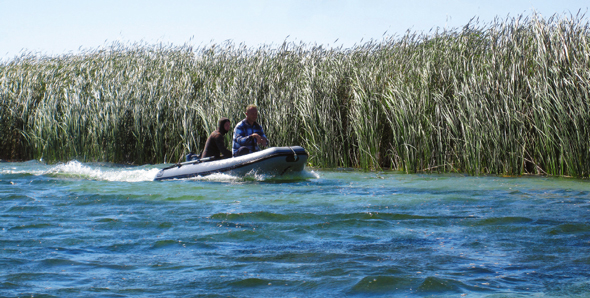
98 230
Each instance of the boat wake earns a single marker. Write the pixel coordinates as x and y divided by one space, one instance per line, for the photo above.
256 177
76 169
290 177
114 172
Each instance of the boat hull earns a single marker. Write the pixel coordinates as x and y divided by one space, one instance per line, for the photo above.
274 161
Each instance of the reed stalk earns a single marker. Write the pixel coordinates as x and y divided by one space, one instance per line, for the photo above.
508 97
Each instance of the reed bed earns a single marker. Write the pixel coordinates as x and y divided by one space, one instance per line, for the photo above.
509 97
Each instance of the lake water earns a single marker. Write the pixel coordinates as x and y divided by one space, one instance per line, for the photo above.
102 230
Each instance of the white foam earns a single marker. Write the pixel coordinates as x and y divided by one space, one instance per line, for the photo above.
220 177
75 168
14 170
255 176
289 176
313 174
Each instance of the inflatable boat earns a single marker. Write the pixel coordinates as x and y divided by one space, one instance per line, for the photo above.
274 161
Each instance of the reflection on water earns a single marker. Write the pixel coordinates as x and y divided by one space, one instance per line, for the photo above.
103 230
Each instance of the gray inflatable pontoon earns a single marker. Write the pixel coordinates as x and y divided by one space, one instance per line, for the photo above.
272 161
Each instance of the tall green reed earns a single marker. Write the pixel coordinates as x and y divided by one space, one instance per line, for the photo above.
507 97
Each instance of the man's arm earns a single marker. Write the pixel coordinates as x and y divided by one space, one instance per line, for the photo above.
241 138
260 133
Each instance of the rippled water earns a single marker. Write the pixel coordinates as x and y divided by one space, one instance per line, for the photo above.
87 230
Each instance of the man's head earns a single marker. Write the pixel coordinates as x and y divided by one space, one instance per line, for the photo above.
251 114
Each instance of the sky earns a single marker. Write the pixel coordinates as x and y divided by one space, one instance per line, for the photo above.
56 27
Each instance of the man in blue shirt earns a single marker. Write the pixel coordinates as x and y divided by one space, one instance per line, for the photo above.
248 134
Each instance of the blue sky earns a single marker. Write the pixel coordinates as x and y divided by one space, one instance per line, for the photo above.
54 27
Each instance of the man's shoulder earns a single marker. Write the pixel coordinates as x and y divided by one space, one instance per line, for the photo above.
242 123
257 126
240 127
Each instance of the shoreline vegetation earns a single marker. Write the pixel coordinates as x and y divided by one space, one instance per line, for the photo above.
509 97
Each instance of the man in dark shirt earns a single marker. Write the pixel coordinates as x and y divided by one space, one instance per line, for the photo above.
215 145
